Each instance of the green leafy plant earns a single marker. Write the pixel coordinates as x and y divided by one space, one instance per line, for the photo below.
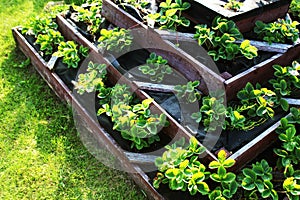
188 93
291 184
286 79
220 40
156 67
144 6
295 8
170 15
212 112
256 101
258 179
91 81
227 180
71 54
136 123
289 153
39 25
233 5
180 168
91 17
257 105
279 31
49 41
116 40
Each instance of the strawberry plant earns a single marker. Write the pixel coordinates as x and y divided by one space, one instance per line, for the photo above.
286 79
280 31
170 15
91 17
135 123
289 154
212 112
220 40
227 180
257 180
49 41
291 184
156 67
116 40
188 93
295 8
233 5
91 81
180 168
71 54
39 25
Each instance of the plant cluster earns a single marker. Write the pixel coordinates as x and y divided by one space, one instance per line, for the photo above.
220 40
91 81
170 15
295 8
289 153
280 31
45 32
134 121
71 53
286 79
233 5
156 67
256 106
211 113
39 25
116 40
91 17
180 168
188 93
258 180
49 41
144 6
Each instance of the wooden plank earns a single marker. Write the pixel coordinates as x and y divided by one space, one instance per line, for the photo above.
294 102
119 17
265 46
139 158
154 87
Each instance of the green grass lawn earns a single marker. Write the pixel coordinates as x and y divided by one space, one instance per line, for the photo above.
41 155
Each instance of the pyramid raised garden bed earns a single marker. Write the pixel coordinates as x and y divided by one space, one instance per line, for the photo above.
203 12
133 161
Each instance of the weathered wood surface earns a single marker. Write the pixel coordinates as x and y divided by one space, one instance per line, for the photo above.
154 87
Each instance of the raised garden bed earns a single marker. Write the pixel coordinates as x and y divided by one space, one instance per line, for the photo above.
127 159
245 18
281 54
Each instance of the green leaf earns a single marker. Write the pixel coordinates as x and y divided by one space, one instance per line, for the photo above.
171 12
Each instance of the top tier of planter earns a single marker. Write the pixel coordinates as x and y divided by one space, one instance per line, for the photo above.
251 11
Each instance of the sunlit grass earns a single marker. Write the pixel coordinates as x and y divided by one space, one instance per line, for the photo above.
41 155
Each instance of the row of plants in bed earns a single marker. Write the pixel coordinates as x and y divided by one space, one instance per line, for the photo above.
254 108
238 56
194 182
180 168
134 121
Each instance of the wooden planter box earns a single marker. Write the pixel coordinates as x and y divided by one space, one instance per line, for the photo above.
283 55
135 163
203 12
245 19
